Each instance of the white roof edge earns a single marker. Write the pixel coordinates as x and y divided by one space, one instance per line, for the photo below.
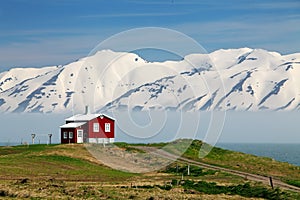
72 125
83 117
108 116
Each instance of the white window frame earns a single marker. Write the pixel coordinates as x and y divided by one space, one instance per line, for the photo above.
80 133
71 135
107 127
96 127
65 135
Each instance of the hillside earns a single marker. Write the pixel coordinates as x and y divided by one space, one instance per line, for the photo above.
233 79
61 171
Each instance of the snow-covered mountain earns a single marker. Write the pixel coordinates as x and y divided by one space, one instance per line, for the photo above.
234 79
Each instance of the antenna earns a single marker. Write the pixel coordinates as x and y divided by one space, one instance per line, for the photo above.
87 110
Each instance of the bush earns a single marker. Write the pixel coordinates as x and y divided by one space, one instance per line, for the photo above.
164 187
245 190
194 170
294 182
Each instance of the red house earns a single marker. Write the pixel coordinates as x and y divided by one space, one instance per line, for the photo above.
88 128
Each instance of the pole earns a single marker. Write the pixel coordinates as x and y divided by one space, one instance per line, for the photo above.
50 135
271 182
32 137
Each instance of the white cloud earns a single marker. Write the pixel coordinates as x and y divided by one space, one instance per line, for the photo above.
152 14
40 47
226 5
278 5
53 51
57 46
251 31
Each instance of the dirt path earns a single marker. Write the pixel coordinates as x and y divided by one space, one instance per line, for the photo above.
246 175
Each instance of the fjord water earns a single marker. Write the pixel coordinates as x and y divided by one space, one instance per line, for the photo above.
281 152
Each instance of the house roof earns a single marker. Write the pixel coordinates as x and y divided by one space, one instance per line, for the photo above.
82 117
72 125
85 118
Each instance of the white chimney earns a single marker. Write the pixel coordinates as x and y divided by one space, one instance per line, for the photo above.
87 110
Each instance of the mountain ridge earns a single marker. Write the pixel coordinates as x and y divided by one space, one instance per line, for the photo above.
226 79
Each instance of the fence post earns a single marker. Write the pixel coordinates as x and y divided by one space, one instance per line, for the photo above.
271 182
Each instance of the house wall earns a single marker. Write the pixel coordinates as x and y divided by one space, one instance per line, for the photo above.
85 128
101 133
89 136
68 140
101 140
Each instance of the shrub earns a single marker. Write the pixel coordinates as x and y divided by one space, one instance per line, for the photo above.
294 182
245 190
194 170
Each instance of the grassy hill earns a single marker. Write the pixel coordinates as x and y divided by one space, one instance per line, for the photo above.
64 162
69 171
239 161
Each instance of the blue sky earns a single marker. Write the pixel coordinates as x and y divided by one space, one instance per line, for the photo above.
52 32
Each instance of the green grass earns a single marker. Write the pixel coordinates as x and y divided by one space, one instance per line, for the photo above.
293 182
61 168
182 169
23 149
62 161
239 161
42 161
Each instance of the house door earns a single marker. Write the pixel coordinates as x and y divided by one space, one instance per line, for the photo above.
79 136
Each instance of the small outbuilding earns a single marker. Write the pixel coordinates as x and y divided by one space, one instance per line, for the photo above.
88 128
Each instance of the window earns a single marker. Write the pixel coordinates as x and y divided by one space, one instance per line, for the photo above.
70 135
79 133
65 135
96 127
107 127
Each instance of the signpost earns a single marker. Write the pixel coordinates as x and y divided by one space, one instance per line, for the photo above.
32 137
50 135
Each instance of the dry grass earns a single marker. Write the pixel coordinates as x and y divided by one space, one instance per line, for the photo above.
73 150
55 189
